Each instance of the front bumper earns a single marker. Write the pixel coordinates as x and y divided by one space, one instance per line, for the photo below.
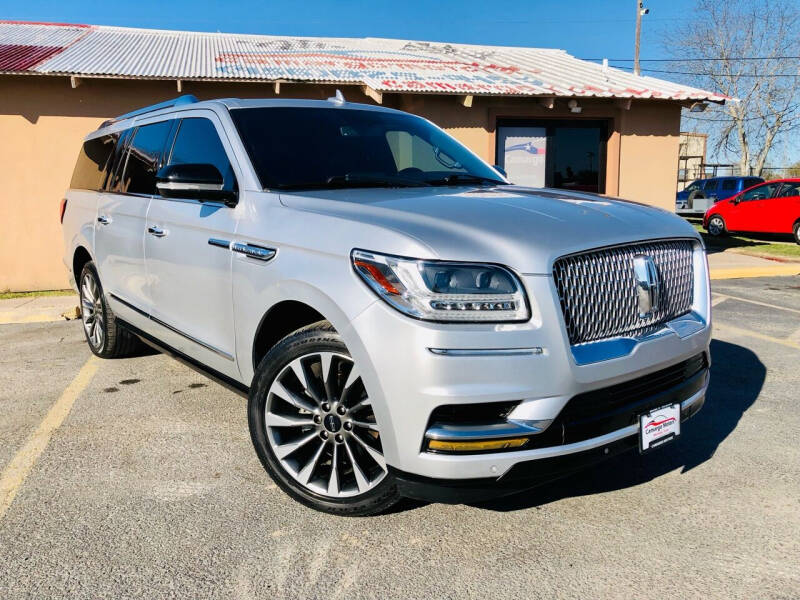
407 381
548 465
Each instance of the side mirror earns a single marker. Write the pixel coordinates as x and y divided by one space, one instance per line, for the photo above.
195 181
501 170
736 199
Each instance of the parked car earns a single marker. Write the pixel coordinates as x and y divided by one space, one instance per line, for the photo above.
699 195
771 207
402 320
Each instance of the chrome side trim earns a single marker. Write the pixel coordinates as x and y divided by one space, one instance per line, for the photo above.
253 251
219 243
462 433
485 351
593 352
213 349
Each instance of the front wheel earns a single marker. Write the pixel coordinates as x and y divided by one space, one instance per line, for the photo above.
796 232
716 226
314 428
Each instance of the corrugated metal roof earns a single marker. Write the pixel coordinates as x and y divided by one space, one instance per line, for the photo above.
385 65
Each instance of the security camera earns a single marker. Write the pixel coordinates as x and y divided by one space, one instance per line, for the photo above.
645 11
573 106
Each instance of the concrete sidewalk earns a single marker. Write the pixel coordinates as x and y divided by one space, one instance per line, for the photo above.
38 309
732 265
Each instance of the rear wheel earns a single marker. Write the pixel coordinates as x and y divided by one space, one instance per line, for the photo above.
314 428
716 226
796 232
104 336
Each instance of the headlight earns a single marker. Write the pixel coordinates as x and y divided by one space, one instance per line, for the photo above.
444 291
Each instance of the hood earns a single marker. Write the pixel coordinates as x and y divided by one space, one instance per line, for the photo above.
523 228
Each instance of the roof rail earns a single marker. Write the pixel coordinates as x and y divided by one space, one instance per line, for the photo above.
180 100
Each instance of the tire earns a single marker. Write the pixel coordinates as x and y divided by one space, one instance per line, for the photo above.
796 232
716 226
316 433
105 337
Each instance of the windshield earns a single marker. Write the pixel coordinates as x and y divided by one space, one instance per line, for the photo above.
326 148
695 185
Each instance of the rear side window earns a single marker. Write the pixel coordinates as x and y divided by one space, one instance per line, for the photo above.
117 162
728 184
144 158
197 142
90 170
751 182
711 184
789 189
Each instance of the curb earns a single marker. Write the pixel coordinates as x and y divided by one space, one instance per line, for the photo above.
780 270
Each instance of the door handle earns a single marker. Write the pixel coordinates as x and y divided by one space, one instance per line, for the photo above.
156 231
103 220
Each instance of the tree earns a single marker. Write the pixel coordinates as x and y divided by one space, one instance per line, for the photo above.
747 50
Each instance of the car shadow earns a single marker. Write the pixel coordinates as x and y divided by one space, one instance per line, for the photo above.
737 376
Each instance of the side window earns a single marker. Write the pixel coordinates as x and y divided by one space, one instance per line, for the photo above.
711 185
117 162
144 158
728 184
90 170
751 182
197 142
761 192
789 189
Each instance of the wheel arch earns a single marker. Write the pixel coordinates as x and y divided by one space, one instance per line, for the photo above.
80 257
279 321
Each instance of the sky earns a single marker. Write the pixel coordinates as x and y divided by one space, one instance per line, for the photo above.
585 28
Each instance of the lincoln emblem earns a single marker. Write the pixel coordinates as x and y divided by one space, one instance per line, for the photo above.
648 284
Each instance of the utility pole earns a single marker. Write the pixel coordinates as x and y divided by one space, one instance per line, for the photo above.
640 12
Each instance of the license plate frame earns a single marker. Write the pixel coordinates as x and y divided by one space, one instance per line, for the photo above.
659 426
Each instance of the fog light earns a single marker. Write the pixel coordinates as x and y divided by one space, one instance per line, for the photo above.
452 446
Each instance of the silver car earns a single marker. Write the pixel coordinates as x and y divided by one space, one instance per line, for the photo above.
402 320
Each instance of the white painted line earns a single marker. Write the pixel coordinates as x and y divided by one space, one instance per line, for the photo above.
718 299
758 302
17 470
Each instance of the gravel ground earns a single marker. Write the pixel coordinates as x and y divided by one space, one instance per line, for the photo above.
151 488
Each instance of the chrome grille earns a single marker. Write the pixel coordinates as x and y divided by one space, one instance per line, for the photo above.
598 293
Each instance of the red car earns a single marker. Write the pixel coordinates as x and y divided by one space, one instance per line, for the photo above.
771 207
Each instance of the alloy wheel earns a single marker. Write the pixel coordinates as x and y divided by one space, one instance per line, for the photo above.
716 226
92 311
322 428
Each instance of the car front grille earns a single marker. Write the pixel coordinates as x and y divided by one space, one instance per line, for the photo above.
598 289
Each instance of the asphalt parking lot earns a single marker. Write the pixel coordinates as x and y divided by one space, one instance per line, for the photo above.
150 488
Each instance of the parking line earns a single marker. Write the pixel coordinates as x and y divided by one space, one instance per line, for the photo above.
721 297
724 327
14 474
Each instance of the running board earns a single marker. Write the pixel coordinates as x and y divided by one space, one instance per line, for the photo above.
216 376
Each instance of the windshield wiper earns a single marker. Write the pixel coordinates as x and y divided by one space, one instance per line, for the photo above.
461 178
366 180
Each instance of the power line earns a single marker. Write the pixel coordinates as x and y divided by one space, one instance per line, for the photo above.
749 75
676 60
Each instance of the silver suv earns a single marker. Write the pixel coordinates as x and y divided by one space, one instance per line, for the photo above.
402 320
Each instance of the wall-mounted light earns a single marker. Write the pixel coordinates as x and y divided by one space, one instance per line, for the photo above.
573 106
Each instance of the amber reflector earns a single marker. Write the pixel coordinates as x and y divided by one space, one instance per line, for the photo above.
450 446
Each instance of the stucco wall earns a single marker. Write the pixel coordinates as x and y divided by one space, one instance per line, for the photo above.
43 120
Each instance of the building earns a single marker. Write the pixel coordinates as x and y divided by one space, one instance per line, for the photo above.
547 117
692 157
